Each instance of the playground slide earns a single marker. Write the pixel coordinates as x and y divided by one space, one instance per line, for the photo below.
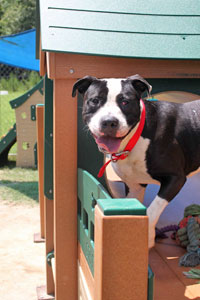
6 143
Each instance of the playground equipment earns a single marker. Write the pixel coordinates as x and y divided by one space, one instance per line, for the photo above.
24 131
100 39
110 236
25 111
6 142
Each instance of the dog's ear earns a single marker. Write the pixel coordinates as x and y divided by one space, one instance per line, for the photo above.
140 84
82 85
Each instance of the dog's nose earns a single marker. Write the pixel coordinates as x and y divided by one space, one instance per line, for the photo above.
109 125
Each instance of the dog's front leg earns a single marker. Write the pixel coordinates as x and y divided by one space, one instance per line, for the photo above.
136 191
170 186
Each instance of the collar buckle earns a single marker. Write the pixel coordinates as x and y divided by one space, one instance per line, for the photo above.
116 156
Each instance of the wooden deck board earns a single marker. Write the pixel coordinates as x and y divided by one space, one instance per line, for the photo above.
170 283
170 252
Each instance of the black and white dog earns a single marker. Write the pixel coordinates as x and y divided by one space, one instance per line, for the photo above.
168 149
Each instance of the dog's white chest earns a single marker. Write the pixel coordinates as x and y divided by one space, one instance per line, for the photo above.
133 168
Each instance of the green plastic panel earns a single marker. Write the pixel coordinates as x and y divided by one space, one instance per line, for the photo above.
166 7
33 113
6 143
48 143
111 207
131 28
185 85
89 191
129 23
150 283
35 155
8 140
50 256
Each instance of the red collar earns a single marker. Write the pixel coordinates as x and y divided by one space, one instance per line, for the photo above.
131 144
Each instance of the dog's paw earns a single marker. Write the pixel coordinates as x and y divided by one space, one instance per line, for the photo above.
151 229
153 212
152 235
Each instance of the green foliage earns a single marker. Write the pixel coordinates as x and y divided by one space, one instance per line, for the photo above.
4 84
13 84
17 16
32 80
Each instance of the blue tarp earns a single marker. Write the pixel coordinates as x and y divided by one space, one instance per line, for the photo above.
18 50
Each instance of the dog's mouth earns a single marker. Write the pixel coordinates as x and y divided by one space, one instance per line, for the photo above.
108 143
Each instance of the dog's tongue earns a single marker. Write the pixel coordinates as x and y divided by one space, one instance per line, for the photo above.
110 144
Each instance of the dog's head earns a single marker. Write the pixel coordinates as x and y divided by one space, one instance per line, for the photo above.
111 107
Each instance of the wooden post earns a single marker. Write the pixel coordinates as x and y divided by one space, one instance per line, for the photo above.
65 190
49 227
121 257
40 152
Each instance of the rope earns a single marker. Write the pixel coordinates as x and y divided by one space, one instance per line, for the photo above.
192 210
192 257
193 274
160 232
187 234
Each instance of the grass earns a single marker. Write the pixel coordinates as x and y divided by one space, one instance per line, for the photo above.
18 185
7 115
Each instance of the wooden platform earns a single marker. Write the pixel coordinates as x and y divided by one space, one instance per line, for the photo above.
170 283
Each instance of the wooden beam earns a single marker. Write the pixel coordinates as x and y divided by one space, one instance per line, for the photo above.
65 190
42 57
121 257
68 66
86 270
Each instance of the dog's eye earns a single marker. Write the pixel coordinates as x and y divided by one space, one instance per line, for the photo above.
124 102
94 101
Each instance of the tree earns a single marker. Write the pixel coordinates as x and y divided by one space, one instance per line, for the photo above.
17 16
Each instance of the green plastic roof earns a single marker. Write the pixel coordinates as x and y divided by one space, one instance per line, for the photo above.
164 29
23 98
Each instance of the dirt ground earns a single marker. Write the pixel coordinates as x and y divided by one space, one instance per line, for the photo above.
22 262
